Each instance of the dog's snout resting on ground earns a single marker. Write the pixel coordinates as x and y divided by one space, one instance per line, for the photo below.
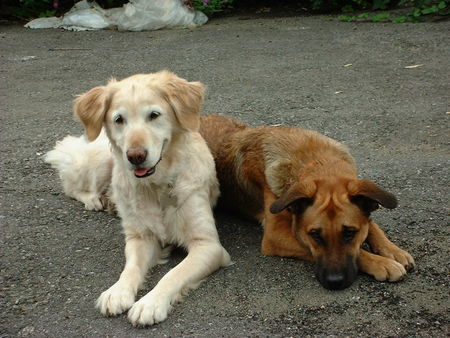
163 184
303 187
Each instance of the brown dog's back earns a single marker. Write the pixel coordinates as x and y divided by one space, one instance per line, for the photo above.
217 129
221 134
237 150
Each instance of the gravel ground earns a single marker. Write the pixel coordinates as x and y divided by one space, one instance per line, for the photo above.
346 80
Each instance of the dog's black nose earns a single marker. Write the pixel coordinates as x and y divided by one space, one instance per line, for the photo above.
337 277
137 155
335 281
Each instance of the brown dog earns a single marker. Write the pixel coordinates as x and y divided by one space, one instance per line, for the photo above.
303 187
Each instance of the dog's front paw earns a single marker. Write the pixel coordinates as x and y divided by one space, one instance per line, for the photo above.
399 255
117 299
149 310
386 269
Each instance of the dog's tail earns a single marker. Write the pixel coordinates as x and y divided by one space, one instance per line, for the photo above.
75 152
84 168
67 154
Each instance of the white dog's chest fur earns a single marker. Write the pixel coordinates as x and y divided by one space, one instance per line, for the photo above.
157 204
147 207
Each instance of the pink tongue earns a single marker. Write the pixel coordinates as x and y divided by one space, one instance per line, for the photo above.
140 172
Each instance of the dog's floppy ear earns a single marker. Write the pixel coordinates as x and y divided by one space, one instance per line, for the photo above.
299 196
368 196
185 98
90 108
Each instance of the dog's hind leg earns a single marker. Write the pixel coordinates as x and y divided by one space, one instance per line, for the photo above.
382 246
142 251
91 200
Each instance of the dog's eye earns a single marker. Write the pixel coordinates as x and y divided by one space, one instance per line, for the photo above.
118 119
348 234
316 236
153 115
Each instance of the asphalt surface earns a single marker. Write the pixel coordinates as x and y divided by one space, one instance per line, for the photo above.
346 80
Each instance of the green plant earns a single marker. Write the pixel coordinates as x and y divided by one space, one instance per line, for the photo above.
210 7
381 17
46 14
429 7
32 8
421 9
26 9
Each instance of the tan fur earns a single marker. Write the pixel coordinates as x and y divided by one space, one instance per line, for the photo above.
184 99
91 109
303 187
163 185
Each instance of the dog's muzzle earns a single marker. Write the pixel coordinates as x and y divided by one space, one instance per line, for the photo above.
337 278
137 156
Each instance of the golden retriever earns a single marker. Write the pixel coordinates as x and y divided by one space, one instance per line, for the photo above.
303 187
163 184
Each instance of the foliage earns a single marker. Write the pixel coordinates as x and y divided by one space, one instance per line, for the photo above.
421 10
209 7
365 17
34 8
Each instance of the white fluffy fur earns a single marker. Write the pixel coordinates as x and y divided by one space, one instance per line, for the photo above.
170 207
84 168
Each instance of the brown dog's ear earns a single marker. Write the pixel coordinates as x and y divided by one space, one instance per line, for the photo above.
368 196
298 196
90 108
185 98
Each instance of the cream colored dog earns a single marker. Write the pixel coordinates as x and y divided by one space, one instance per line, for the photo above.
163 185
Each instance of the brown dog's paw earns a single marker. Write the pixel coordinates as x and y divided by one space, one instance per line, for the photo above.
399 255
386 269
381 268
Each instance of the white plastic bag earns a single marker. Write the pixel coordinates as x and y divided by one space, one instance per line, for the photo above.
137 15
52 22
85 16
141 15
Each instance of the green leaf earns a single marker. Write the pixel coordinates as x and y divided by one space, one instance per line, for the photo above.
346 18
47 14
430 10
442 5
363 16
380 17
400 19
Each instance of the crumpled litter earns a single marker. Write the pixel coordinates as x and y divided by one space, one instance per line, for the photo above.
136 15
